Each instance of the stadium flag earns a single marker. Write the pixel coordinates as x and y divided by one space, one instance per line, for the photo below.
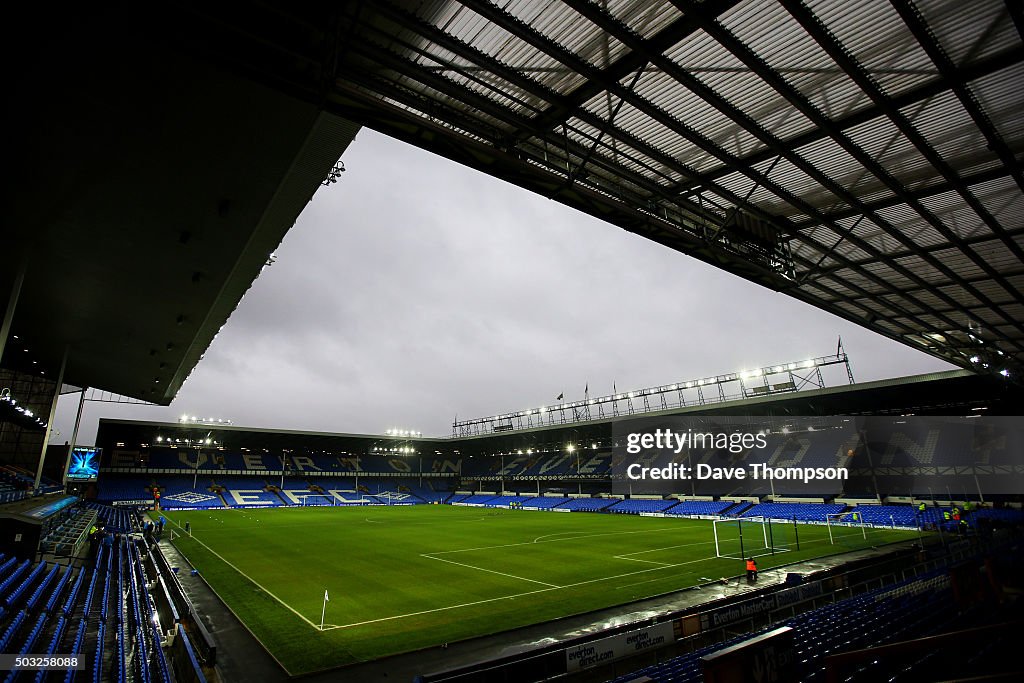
324 612
560 396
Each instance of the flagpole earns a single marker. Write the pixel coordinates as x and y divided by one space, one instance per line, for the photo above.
324 612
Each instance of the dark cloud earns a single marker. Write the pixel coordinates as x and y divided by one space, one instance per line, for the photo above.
414 290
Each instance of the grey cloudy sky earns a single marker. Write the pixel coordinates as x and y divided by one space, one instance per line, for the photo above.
415 289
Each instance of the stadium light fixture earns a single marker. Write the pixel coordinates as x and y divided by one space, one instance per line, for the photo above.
570 448
1004 372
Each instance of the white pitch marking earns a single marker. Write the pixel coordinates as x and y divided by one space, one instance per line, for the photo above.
538 540
518 595
633 559
626 556
316 626
492 571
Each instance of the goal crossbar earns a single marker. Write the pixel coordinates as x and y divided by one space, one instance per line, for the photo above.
746 537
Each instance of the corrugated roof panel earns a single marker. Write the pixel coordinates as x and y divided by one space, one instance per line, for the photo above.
874 235
995 253
950 131
645 18
569 29
912 226
1002 99
685 106
968 31
958 293
879 40
882 141
889 275
955 259
955 215
616 152
720 70
798 59
925 271
905 304
835 162
706 60
1003 199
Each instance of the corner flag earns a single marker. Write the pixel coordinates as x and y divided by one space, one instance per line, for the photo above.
324 611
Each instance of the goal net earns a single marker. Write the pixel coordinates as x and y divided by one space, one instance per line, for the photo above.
311 499
751 537
846 528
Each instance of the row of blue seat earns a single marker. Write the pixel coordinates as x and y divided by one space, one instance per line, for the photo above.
857 622
125 615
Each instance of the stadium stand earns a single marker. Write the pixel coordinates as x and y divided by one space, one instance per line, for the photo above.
179 492
631 506
805 512
102 611
700 507
587 504
919 607
542 502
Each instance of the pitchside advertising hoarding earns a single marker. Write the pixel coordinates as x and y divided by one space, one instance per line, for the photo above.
622 645
945 458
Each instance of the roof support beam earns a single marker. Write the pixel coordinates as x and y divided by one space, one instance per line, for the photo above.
562 111
960 75
915 22
797 99
859 75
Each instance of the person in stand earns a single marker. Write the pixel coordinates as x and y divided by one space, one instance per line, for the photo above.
751 570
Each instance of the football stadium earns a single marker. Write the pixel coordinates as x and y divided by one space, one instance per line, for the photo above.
782 523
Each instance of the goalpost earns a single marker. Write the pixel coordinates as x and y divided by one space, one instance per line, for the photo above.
745 537
845 525
321 499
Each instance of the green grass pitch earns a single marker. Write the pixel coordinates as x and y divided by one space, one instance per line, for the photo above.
403 578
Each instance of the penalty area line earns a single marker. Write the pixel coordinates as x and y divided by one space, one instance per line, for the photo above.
491 571
437 609
515 595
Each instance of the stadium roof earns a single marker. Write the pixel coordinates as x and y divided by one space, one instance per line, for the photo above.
152 185
859 155
954 392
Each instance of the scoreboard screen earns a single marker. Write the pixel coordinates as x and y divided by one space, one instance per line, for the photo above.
84 465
